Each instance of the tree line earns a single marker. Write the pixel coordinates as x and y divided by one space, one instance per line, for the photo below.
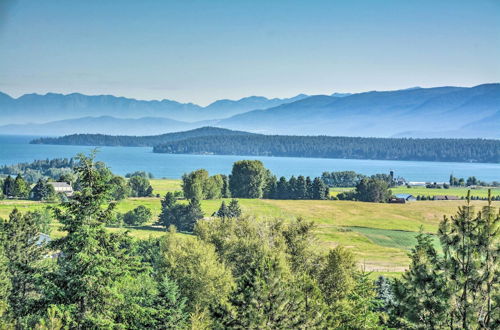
446 150
137 185
250 179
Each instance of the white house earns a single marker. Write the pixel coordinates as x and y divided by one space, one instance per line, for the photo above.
62 187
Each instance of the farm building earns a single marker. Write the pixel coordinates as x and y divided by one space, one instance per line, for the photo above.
445 198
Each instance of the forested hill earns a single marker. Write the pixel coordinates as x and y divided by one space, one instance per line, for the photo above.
446 150
135 141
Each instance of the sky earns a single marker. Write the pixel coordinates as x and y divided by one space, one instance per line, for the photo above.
200 51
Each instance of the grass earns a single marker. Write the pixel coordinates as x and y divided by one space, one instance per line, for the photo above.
423 191
380 235
162 186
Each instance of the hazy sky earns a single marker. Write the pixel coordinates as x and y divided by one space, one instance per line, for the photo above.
200 51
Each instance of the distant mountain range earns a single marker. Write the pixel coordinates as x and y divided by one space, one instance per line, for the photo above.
35 108
454 112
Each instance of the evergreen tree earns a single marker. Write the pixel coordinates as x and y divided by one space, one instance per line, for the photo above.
459 236
310 188
20 188
42 191
92 260
292 188
488 243
234 210
424 293
25 255
282 189
170 306
167 214
8 187
223 211
5 285
192 215
301 188
226 193
320 190
271 186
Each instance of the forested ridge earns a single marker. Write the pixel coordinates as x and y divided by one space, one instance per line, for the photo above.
134 141
448 150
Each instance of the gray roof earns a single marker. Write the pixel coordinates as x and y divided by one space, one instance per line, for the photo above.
60 184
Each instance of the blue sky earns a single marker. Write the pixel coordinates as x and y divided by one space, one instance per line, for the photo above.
200 51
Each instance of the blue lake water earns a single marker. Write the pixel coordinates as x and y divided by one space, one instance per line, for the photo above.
122 160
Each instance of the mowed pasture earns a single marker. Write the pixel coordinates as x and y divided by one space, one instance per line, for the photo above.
380 235
423 191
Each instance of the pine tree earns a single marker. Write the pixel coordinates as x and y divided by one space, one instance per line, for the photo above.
170 307
25 255
223 211
459 236
301 188
5 285
20 187
234 210
91 259
8 186
282 189
488 243
42 191
292 188
309 186
320 190
424 294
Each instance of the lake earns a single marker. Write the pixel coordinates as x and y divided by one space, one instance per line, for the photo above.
122 160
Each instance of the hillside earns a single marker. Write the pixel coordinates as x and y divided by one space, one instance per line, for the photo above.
445 150
381 114
136 141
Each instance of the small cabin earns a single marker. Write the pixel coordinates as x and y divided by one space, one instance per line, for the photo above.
62 187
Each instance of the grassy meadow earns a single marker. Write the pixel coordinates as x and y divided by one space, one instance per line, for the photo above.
380 235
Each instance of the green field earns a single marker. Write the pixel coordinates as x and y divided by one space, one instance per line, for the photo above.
415 191
379 234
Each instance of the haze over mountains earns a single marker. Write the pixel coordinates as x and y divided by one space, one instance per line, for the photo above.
418 112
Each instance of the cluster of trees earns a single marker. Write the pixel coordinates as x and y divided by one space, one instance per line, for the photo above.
182 216
344 179
471 181
18 187
370 189
296 188
250 179
199 185
41 169
447 150
457 289
15 187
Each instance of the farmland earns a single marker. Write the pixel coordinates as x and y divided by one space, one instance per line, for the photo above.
380 235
